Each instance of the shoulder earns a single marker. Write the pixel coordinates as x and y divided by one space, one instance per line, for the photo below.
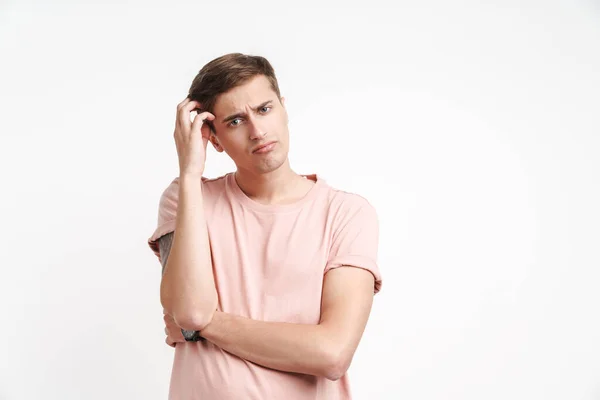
346 210
347 203
167 208
210 186
215 185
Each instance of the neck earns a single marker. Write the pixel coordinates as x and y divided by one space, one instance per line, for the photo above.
270 188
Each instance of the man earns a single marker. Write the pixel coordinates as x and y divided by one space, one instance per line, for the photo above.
272 271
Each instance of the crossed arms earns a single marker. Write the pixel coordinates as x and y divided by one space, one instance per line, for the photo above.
325 349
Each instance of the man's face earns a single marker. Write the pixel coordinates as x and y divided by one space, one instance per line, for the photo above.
249 116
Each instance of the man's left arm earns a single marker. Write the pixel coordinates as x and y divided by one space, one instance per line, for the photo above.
325 349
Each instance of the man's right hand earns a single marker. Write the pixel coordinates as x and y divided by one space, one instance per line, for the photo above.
191 138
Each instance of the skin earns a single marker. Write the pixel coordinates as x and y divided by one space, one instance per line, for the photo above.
325 349
266 178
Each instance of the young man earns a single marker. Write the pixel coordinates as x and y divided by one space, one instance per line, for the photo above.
269 274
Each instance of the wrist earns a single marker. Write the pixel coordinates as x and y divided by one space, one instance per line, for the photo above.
216 324
192 336
191 176
197 335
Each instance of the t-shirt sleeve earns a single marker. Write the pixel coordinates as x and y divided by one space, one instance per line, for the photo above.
356 239
167 213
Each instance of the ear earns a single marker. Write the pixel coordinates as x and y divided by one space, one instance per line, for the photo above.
215 142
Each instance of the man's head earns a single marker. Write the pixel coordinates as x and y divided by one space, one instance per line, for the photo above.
243 94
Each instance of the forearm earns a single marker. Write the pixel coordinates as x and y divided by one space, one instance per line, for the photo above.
187 289
300 348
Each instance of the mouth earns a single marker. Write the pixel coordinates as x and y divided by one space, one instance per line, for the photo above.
265 148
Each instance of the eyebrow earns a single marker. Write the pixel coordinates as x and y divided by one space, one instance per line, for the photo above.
242 114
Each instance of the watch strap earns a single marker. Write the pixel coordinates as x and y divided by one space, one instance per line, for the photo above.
192 336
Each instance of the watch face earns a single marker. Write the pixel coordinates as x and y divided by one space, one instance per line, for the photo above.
191 336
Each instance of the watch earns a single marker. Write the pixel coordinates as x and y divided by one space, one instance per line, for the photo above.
192 336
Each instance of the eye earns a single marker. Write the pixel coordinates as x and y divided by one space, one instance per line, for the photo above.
231 124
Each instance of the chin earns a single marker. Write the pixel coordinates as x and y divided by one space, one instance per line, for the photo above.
269 165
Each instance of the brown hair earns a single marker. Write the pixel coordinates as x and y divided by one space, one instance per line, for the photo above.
226 72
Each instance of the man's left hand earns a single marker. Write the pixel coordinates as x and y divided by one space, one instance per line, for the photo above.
172 331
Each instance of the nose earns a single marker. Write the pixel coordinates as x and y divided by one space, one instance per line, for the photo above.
256 130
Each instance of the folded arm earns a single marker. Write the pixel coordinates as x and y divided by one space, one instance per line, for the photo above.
187 288
325 349
164 246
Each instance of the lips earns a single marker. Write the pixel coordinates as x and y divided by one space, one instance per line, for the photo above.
264 147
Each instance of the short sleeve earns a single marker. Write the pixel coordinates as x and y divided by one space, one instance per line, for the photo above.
356 239
167 213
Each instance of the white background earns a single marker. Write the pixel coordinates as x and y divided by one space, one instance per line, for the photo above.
472 127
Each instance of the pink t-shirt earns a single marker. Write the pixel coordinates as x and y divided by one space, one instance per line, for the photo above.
269 262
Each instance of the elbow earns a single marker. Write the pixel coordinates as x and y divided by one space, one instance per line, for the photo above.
193 321
194 318
337 362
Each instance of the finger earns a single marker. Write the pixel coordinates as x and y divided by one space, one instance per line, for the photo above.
199 121
206 132
183 112
183 102
181 105
166 331
167 341
204 116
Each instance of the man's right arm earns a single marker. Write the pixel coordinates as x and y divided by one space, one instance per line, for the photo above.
187 289
164 248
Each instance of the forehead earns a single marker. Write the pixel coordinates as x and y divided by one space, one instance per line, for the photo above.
252 93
